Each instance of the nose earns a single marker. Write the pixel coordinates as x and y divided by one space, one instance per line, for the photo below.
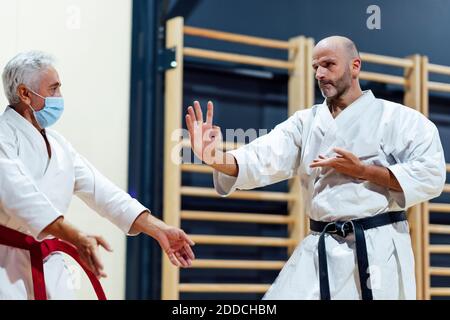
320 74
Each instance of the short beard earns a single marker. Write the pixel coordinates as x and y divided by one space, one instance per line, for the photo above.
342 85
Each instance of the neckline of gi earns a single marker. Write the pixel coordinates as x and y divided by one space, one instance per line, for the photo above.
23 124
350 110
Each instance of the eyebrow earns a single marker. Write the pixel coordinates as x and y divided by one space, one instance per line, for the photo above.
56 85
322 60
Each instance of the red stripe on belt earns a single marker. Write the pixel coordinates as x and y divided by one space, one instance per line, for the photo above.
38 252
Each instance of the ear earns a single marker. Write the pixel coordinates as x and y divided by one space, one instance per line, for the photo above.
356 67
24 94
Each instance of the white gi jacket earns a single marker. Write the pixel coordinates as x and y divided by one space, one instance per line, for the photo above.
36 190
379 132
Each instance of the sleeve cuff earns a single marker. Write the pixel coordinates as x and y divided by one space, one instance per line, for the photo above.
37 227
403 199
225 184
129 217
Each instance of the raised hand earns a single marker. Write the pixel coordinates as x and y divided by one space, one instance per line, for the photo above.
205 137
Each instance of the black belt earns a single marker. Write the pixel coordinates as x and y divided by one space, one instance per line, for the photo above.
343 228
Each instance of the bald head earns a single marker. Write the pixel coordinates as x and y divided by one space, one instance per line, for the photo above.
339 44
337 65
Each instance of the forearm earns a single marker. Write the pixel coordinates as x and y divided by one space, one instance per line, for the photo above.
63 230
148 224
225 163
381 176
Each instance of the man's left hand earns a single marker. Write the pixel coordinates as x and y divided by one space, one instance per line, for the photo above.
345 162
177 246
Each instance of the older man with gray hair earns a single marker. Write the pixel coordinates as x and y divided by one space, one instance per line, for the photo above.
39 173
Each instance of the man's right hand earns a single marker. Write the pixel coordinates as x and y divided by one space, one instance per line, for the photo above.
87 246
205 138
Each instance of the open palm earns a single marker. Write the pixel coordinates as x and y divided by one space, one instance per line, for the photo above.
205 137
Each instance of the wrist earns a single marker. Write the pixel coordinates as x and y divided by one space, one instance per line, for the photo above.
213 158
150 225
363 172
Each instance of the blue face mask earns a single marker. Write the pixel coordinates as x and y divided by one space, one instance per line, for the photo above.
52 111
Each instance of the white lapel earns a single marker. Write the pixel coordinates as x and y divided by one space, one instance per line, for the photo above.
30 133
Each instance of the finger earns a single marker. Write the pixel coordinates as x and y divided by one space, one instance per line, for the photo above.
192 115
198 111
181 259
172 259
209 113
321 156
189 124
189 252
101 241
185 237
97 261
321 163
92 266
88 262
342 152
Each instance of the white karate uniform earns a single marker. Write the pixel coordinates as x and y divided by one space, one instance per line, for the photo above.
380 133
36 190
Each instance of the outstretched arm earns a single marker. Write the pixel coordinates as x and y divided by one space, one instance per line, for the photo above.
111 202
175 243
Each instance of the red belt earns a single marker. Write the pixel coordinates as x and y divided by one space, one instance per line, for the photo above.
38 252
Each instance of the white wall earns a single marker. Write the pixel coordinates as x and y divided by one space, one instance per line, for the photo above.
91 40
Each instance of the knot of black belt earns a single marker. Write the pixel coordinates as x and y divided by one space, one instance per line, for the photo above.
344 228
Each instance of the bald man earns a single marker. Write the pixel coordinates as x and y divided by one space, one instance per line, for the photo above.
362 162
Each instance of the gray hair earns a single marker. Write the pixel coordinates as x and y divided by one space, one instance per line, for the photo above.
25 68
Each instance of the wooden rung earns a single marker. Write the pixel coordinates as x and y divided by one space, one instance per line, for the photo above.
238 38
439 248
197 168
439 207
242 240
441 229
224 145
244 195
386 60
238 264
219 287
238 58
439 271
440 292
380 77
439 86
446 188
237 217
435 68
447 167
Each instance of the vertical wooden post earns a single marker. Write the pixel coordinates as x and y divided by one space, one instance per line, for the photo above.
296 101
309 99
172 170
425 208
412 99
